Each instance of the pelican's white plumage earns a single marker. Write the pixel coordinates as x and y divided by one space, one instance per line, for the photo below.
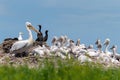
20 44
84 58
24 43
78 42
106 43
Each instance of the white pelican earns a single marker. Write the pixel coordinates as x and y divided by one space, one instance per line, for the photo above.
92 52
20 36
115 54
90 46
54 40
83 58
114 48
65 40
59 54
42 51
71 44
78 42
61 41
21 46
106 43
99 45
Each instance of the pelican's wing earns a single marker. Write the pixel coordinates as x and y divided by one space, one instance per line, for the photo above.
18 45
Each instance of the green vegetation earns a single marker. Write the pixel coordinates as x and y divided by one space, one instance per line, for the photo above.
59 70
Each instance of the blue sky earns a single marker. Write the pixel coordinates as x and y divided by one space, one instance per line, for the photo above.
84 19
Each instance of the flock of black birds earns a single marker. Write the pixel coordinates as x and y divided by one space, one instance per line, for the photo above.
40 40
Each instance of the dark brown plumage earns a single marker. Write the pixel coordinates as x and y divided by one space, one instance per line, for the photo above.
39 35
46 36
10 39
39 39
6 45
97 42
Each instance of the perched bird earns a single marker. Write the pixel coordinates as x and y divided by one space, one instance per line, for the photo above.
78 42
71 44
90 46
99 45
65 40
46 36
39 39
114 48
20 36
39 35
106 43
115 54
40 28
61 41
21 46
54 40
84 58
41 51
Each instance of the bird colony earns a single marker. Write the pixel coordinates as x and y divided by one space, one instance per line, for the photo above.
62 47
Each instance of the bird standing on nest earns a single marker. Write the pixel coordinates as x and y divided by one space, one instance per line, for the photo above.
46 36
39 39
23 45
20 36
99 45
106 43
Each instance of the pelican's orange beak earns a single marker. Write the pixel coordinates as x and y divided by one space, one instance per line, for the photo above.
32 28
